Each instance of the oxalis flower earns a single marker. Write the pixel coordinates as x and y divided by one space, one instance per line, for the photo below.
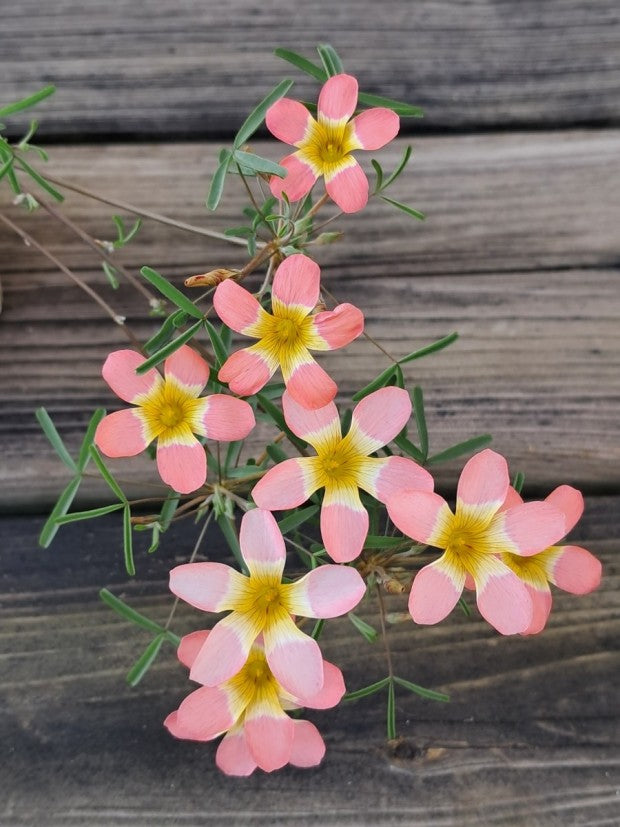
571 568
324 146
286 336
474 538
262 604
342 466
250 709
170 411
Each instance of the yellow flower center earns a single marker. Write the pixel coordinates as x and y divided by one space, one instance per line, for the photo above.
328 145
466 537
255 681
339 464
170 411
264 599
286 333
529 569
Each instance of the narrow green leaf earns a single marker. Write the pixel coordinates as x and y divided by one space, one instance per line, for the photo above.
440 344
380 381
76 516
219 348
232 454
302 63
128 540
229 530
4 169
464 606
156 531
45 185
399 168
318 629
371 689
297 518
405 110
420 419
365 629
26 103
89 436
49 429
105 473
170 292
217 182
404 208
379 541
257 115
466 447
167 510
169 349
166 331
122 609
276 453
399 379
518 482
391 713
63 504
379 170
257 163
409 448
110 274
278 418
330 59
145 661
422 691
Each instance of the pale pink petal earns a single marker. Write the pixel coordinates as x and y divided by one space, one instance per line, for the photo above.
188 368
570 502
314 425
226 649
238 308
269 736
383 478
288 120
348 186
233 755
327 591
483 486
293 657
246 371
119 371
375 128
190 645
526 529
203 715
296 283
308 384
211 587
575 570
422 515
344 524
503 599
286 485
308 747
338 98
541 607
436 589
122 434
182 465
512 498
225 418
332 690
378 418
299 180
262 544
336 328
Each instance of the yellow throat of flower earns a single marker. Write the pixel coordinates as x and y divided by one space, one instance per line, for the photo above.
327 146
170 412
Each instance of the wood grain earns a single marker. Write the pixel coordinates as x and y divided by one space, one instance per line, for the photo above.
160 69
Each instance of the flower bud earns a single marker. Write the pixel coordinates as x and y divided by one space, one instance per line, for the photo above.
212 278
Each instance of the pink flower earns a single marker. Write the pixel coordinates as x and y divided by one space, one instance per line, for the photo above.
342 466
262 605
249 708
287 336
473 539
324 146
170 411
570 568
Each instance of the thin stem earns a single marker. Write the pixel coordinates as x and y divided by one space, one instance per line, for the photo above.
254 201
201 536
386 645
314 210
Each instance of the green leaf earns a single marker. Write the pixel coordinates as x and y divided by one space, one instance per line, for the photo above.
26 103
45 185
365 629
466 447
145 661
128 613
302 63
170 292
464 606
278 418
318 629
420 690
6 166
228 528
105 473
166 331
89 436
232 454
518 481
257 163
405 110
217 182
257 115
110 274
76 516
379 170
123 237
167 510
371 689
276 453
49 429
440 344
379 541
400 167
391 713
330 59
63 504
420 420
219 348
409 448
404 208
128 540
169 349
297 518
380 381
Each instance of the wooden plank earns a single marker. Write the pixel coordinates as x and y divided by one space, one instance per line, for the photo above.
530 737
189 68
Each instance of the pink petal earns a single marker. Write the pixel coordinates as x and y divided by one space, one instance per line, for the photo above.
269 737
299 180
119 371
294 658
336 328
541 607
375 128
314 425
288 120
182 465
378 418
188 368
203 715
296 283
226 649
338 98
512 498
233 755
211 587
246 371
422 515
570 502
238 308
575 570
122 434
436 590
344 525
332 690
527 529
308 384
262 544
327 591
384 478
308 747
503 599
286 485
190 645
348 186
483 485
225 418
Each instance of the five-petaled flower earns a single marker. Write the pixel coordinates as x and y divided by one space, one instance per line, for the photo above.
287 335
170 411
262 604
474 537
249 708
324 146
571 568
343 465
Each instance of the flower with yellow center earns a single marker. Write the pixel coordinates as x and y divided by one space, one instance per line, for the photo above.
170 411
287 334
324 145
343 465
260 604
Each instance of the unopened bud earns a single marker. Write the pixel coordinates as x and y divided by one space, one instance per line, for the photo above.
212 278
393 586
328 238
